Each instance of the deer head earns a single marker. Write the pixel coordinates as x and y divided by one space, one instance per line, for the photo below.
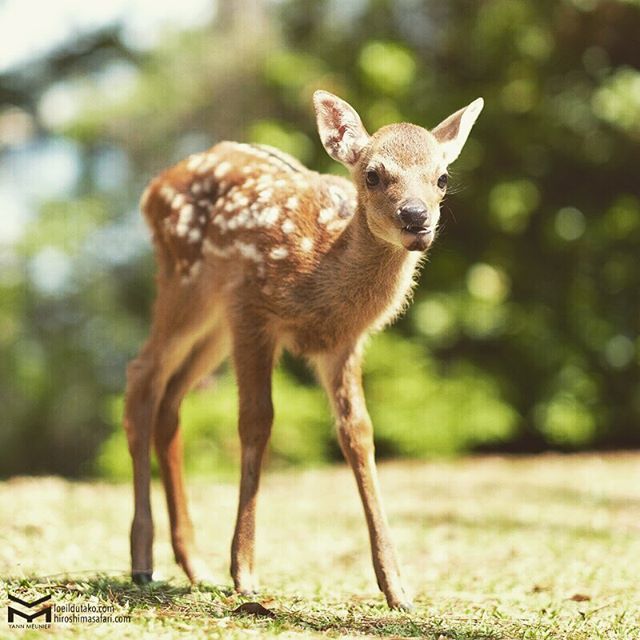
400 171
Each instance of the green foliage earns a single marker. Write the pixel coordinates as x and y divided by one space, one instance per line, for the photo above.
511 203
417 411
421 409
301 431
388 67
278 135
524 330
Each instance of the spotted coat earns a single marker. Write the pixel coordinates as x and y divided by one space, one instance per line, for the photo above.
250 204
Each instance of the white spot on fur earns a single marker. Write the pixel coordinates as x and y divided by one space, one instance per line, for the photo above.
337 224
306 244
178 201
243 218
268 217
221 222
194 235
222 169
292 203
195 269
265 195
249 222
279 253
196 188
240 199
195 161
325 215
210 161
288 226
249 251
185 219
240 220
168 193
264 180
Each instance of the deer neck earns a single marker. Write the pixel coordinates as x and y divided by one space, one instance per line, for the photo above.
370 272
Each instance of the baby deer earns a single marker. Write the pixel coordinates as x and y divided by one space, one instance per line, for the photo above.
256 253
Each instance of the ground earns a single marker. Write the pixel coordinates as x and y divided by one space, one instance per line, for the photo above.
532 548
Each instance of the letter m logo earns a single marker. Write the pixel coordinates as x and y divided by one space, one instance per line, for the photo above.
29 617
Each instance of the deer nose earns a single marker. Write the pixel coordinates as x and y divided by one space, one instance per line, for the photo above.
414 213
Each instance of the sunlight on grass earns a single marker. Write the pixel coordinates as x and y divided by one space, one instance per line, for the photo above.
531 548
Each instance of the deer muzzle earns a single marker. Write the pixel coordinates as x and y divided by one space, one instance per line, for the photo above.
417 232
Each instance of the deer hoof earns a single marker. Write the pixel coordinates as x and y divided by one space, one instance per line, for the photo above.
142 578
402 605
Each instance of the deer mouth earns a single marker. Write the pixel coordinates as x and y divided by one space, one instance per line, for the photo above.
416 238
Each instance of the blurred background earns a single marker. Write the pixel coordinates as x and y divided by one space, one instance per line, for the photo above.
524 332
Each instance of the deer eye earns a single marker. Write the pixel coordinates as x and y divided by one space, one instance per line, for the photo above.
442 181
372 178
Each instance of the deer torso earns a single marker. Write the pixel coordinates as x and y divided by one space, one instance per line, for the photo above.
277 239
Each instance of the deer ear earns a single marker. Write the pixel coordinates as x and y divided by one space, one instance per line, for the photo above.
453 132
340 128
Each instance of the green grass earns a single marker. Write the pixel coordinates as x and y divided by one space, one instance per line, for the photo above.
532 548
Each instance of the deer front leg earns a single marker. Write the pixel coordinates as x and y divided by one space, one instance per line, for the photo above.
342 378
253 357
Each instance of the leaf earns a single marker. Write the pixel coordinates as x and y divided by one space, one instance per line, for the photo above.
254 609
580 597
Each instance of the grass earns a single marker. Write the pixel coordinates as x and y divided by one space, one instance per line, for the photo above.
531 548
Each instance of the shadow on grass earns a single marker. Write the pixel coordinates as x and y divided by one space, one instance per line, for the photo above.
372 621
207 605
117 589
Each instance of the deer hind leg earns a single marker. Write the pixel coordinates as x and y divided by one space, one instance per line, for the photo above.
178 325
254 358
205 356
342 378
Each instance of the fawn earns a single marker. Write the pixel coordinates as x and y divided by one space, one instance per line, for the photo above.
257 253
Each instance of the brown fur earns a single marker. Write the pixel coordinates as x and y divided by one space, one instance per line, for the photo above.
256 253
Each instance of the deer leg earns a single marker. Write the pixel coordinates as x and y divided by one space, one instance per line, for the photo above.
147 376
206 356
342 378
253 356
177 328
